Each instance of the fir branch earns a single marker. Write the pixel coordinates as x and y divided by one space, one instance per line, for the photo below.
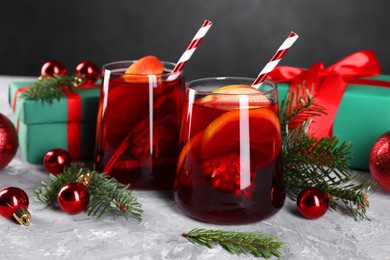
353 196
298 107
324 163
48 191
110 195
47 89
106 194
259 245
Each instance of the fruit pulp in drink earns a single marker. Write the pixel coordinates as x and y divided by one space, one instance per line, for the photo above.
229 170
137 133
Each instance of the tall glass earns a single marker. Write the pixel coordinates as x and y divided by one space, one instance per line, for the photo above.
229 169
137 134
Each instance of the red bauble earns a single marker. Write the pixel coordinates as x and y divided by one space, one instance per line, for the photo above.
73 197
8 141
55 160
89 70
13 204
380 161
312 203
52 67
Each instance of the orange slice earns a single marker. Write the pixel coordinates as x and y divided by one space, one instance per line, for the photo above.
188 159
227 98
190 150
148 65
262 130
125 106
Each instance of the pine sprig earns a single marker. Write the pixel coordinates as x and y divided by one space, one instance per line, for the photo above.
298 108
109 195
48 191
308 161
259 245
48 89
106 194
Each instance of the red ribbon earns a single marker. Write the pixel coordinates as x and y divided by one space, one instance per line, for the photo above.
74 119
74 123
330 83
14 99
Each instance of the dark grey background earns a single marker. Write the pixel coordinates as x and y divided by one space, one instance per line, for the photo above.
243 38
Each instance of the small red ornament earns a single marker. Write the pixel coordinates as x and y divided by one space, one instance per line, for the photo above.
52 67
380 161
89 70
14 204
56 159
73 197
312 203
8 141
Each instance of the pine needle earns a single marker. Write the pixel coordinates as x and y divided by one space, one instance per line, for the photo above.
259 245
106 194
48 89
109 195
48 191
323 163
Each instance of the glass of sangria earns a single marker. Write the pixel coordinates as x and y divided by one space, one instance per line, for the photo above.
137 134
229 170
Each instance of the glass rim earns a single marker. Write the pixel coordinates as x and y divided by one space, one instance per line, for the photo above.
204 92
120 71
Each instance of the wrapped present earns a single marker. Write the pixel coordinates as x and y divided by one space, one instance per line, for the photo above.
356 98
67 123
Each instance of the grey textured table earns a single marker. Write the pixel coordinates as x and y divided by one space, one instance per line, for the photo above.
54 234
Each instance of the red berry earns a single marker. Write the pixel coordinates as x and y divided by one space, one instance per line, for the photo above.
224 173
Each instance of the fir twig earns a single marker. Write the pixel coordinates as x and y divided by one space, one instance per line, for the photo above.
47 89
110 195
48 191
298 108
324 163
106 194
259 245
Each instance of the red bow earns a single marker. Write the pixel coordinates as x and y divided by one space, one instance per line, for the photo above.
330 83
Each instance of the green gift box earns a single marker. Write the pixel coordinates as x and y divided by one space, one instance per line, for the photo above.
67 123
362 117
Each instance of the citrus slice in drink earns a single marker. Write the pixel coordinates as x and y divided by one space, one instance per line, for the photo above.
190 148
146 65
188 158
138 71
120 114
248 131
237 143
126 101
235 96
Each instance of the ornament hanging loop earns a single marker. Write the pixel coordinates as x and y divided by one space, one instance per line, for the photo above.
84 178
22 216
79 80
42 77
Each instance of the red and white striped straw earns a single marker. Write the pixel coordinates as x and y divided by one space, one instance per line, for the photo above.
275 59
193 45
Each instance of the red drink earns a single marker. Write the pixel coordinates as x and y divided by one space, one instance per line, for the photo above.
229 170
138 126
